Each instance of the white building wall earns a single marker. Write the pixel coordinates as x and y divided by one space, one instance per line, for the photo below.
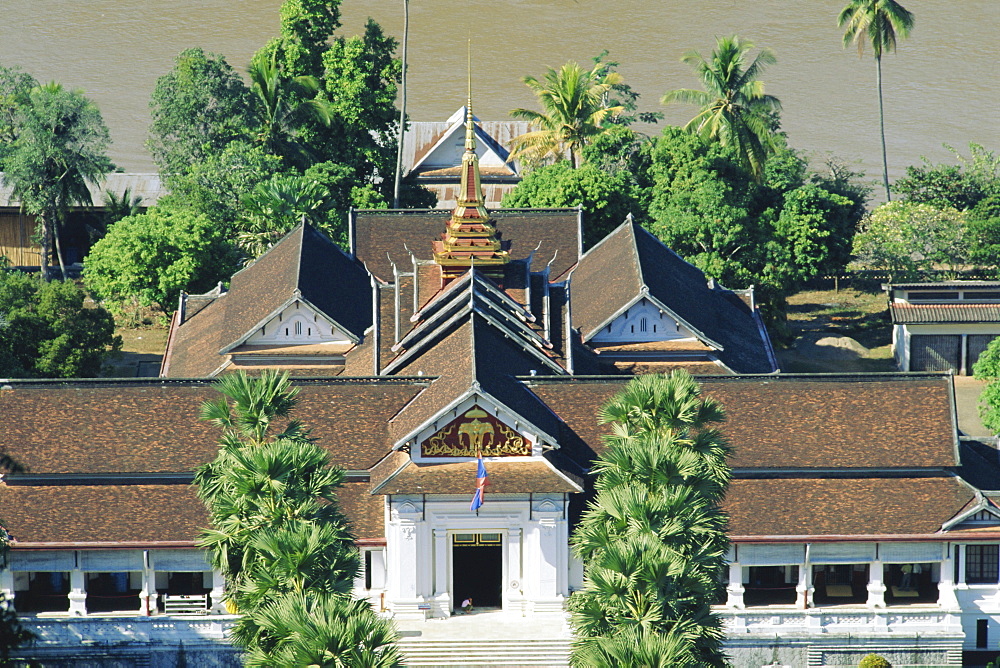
535 548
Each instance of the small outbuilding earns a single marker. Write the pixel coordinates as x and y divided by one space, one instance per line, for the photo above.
943 325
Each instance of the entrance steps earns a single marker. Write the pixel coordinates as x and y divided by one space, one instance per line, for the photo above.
512 653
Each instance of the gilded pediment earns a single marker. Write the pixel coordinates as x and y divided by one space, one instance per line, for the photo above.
473 432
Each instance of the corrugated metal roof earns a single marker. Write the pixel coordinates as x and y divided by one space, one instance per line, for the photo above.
146 186
944 285
421 136
906 314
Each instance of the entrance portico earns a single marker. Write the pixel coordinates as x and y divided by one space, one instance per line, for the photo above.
426 565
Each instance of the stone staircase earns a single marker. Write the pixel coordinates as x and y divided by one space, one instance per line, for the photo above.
492 653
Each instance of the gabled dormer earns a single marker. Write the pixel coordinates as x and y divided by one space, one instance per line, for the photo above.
642 322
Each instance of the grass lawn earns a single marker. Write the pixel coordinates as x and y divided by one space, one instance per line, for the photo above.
828 317
142 349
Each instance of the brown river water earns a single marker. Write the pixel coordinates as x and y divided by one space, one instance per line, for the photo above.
941 87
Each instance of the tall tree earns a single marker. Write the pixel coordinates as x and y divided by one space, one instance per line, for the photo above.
735 110
279 536
876 22
198 108
653 538
60 147
279 100
575 109
46 331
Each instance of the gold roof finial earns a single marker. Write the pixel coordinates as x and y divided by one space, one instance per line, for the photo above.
471 239
470 128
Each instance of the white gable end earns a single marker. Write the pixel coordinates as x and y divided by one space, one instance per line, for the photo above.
298 324
643 322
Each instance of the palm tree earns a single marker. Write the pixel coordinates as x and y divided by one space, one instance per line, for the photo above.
276 206
735 111
574 112
60 147
653 538
280 104
876 22
326 631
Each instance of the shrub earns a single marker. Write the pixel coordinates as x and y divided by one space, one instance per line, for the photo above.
874 661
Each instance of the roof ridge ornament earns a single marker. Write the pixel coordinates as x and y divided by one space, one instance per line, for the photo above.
471 238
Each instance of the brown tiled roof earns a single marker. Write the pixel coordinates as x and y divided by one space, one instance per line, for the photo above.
650 346
796 421
154 426
102 513
140 514
631 262
843 507
911 314
663 366
304 262
518 477
379 235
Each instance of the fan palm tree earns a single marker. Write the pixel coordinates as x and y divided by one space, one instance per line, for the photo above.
735 110
275 206
323 631
574 111
876 22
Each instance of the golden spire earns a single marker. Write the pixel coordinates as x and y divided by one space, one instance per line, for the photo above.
471 237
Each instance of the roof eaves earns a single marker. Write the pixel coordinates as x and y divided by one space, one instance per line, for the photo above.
424 341
514 337
296 296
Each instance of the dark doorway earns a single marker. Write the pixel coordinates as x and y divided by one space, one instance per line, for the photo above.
477 567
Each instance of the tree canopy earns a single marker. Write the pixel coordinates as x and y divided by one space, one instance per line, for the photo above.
876 23
47 332
147 259
279 536
59 146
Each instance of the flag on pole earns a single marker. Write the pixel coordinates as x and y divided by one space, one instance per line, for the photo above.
481 482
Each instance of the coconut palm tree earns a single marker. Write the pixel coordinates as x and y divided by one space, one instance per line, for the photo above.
876 22
280 102
574 111
60 147
735 110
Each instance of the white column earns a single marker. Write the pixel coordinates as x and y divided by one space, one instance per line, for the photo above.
735 588
876 588
77 593
7 584
441 605
804 591
218 593
147 594
946 584
513 588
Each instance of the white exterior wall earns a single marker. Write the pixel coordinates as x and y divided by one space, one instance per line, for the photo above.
534 543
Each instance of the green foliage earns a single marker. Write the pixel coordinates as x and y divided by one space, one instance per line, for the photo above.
323 631
279 537
198 108
735 111
962 186
14 88
775 234
576 107
983 233
910 240
987 368
47 332
606 199
60 146
622 95
874 661
215 187
653 539
12 633
149 258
